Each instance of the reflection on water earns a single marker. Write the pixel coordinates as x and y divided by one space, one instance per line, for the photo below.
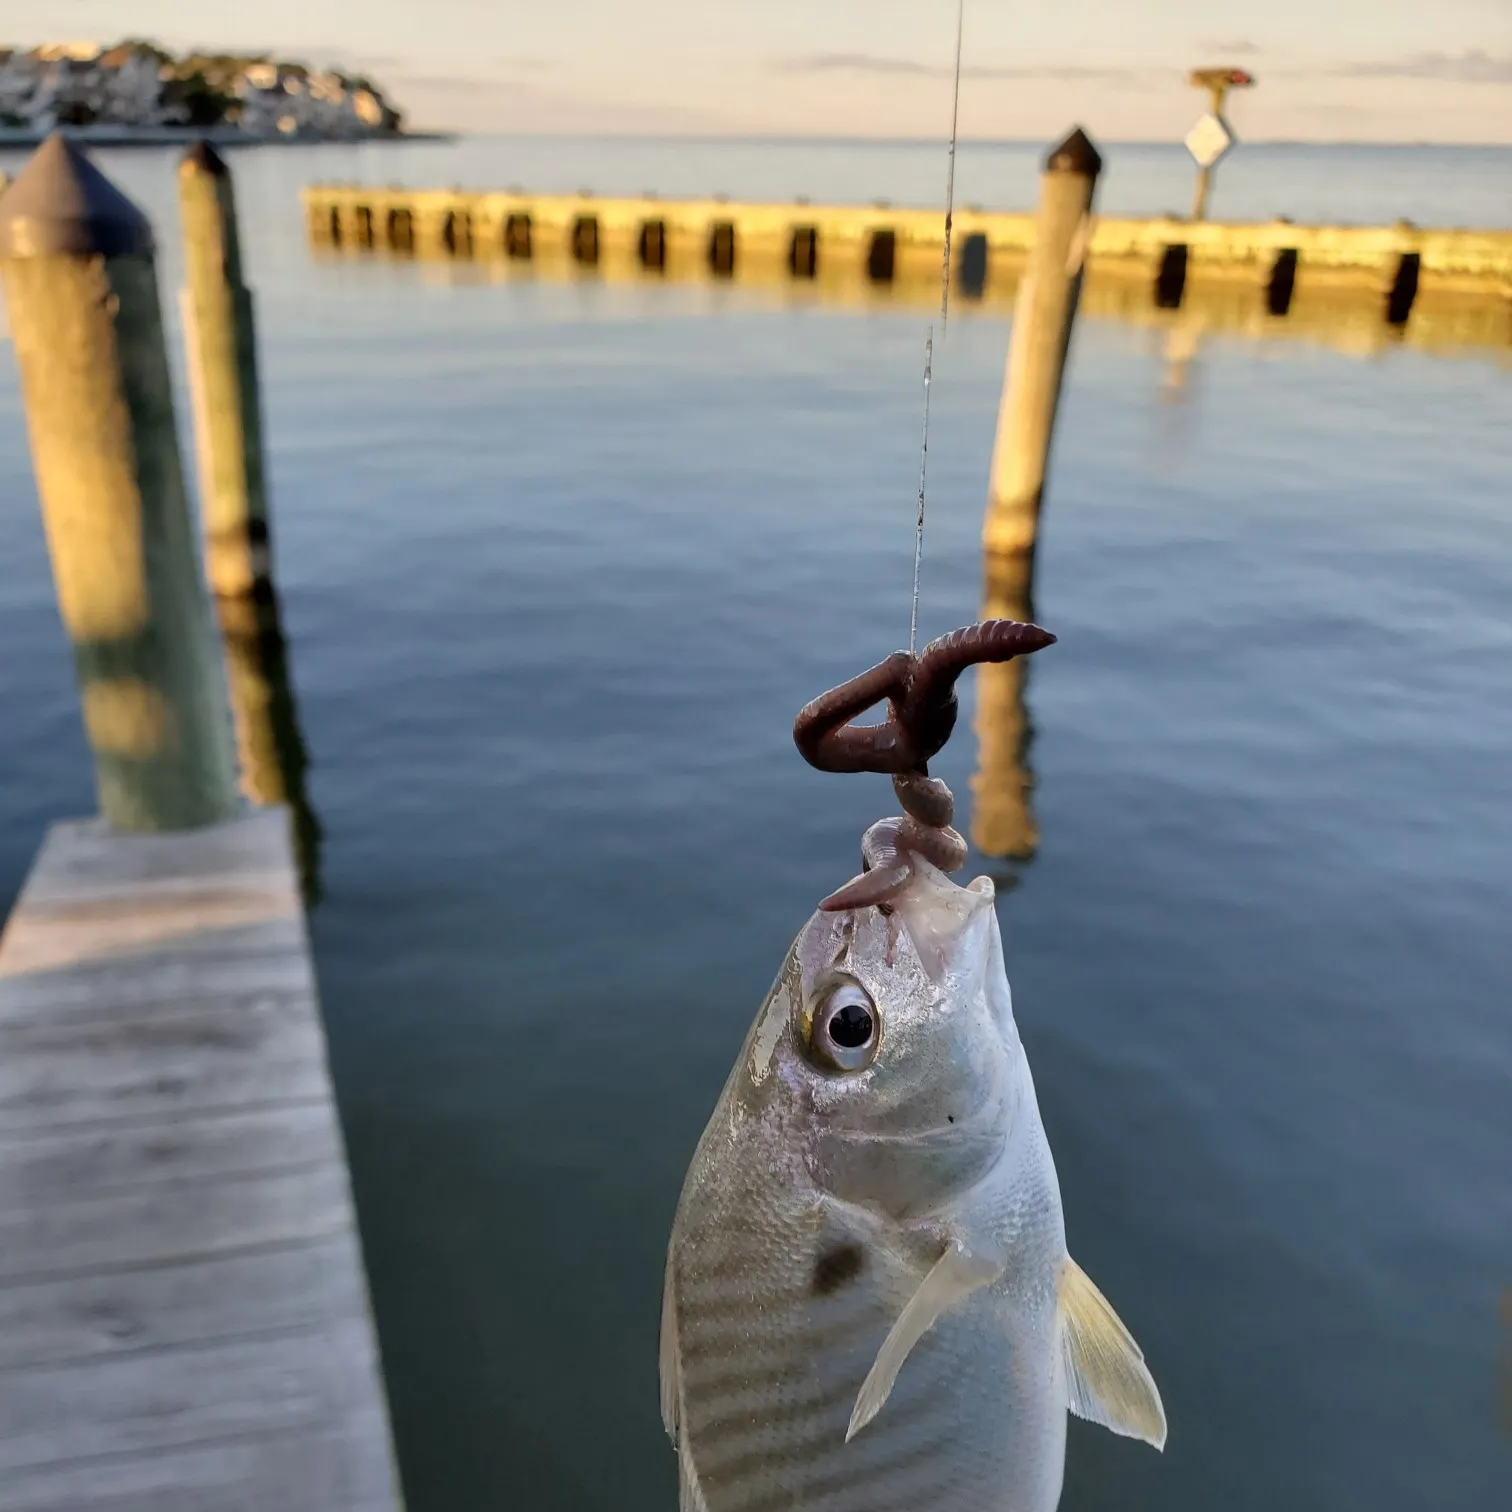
1272 752
1002 814
1351 319
270 747
1183 338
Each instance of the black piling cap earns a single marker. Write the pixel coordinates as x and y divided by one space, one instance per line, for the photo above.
1075 155
61 205
205 158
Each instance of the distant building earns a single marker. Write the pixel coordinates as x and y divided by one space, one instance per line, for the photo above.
136 85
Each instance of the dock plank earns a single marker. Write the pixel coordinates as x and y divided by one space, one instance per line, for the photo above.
341 1467
157 1222
159 1399
57 1321
149 984
169 1063
133 1153
184 1318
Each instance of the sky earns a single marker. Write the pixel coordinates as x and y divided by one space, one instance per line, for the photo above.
1327 70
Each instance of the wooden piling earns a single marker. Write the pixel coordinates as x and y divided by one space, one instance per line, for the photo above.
76 258
219 333
1043 315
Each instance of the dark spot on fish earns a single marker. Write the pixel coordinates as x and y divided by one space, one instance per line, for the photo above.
837 1267
950 1118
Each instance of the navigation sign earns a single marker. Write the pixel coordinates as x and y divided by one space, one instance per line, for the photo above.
1209 140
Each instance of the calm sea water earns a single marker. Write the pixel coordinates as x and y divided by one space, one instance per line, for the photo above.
559 564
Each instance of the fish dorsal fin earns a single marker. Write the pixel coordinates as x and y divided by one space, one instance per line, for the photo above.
690 1497
671 1387
1107 1380
955 1275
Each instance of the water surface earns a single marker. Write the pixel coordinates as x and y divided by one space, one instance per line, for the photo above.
559 564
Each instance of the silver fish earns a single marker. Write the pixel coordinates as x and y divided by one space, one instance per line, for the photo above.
871 1228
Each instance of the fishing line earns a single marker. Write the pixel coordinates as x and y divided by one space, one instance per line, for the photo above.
955 116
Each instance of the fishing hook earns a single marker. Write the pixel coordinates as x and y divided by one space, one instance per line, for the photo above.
921 713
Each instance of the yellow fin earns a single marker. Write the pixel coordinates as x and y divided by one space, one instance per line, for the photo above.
1107 1380
956 1274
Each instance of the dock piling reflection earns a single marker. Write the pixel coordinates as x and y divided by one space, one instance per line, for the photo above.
1003 825
271 752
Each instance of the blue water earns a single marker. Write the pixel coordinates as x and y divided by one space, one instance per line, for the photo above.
559 563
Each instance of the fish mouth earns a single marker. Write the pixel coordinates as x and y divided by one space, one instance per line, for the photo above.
945 921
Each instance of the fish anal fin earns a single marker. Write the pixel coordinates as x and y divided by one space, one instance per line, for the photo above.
1107 1380
954 1276
668 1359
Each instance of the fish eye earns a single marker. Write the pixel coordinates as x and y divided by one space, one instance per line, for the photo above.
845 1029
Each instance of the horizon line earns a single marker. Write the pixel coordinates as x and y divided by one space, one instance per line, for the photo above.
786 139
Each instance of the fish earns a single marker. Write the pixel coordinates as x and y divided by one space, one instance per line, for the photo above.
868 1305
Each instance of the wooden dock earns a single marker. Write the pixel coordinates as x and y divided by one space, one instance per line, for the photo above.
184 1318
881 243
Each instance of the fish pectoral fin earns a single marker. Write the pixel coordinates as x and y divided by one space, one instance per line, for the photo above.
1107 1380
955 1275
669 1359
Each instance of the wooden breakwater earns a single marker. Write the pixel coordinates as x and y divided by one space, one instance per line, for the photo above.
881 244
184 1315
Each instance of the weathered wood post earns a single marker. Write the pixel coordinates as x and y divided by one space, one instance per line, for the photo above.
1002 821
222 357
1043 313
221 338
76 258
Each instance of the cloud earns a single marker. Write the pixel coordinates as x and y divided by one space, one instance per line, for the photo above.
883 67
818 63
519 65
1473 66
336 55
1232 49
459 101
447 82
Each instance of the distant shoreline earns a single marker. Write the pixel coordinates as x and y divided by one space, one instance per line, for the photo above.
224 136
218 136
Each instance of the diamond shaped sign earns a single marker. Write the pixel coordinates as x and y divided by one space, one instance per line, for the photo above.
1209 139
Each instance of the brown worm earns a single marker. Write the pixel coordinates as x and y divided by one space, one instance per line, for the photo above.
921 713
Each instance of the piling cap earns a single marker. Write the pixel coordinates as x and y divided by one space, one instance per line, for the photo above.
61 205
203 157
1075 155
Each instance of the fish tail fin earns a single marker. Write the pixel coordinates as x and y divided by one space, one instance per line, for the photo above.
1107 1380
